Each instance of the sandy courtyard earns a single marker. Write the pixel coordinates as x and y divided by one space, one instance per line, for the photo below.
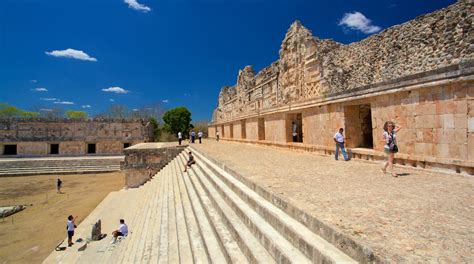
30 235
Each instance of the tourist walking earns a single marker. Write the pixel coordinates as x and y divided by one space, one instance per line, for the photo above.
190 161
217 136
339 140
71 225
59 184
295 134
121 231
390 147
180 137
193 136
200 136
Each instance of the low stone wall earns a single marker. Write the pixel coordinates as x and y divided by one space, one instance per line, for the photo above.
60 162
144 160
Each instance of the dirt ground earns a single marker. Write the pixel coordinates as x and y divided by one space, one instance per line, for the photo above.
30 235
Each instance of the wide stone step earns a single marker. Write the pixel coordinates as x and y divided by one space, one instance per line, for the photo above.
197 243
312 245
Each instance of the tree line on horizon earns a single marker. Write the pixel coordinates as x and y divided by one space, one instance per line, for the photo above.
166 123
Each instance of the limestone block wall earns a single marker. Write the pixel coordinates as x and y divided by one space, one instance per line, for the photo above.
251 128
34 136
237 130
72 148
144 160
310 68
211 131
275 128
32 148
435 120
321 123
228 130
109 147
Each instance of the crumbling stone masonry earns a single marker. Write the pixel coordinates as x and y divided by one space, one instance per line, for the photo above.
70 137
419 74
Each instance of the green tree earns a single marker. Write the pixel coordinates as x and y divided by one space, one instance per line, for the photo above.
75 114
10 111
156 129
176 120
28 114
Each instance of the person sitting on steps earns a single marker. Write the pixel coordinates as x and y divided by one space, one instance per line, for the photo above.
190 162
121 231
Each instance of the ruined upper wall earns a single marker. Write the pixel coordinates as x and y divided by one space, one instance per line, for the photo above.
22 130
430 41
310 68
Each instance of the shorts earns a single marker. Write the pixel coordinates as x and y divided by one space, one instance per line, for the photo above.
70 234
119 234
388 151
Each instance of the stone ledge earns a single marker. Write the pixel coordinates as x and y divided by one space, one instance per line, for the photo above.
450 165
144 160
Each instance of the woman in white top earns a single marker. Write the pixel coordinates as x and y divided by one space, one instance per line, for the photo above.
390 147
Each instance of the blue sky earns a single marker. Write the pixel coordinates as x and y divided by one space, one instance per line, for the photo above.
177 53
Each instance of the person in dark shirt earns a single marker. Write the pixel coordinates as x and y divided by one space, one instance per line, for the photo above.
59 185
190 162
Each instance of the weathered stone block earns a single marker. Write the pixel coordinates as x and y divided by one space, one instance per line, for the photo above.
422 149
470 146
448 121
470 124
442 150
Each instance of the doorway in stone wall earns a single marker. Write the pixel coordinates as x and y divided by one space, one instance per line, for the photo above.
231 126
261 129
294 127
222 131
243 131
358 125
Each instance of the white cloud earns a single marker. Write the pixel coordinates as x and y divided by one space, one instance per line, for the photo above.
40 89
112 100
71 53
137 6
49 99
135 110
64 102
117 90
46 110
86 106
357 21
165 101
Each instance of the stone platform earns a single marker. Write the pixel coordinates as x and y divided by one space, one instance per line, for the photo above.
421 216
59 165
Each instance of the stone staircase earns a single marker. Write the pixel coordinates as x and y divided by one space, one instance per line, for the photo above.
202 216
66 165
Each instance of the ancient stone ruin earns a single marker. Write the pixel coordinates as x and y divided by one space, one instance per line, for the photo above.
70 137
418 74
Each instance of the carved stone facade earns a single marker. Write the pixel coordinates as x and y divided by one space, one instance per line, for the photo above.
418 74
39 137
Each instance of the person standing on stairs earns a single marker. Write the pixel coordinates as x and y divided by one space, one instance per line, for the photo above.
193 136
180 137
190 162
200 136
71 225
